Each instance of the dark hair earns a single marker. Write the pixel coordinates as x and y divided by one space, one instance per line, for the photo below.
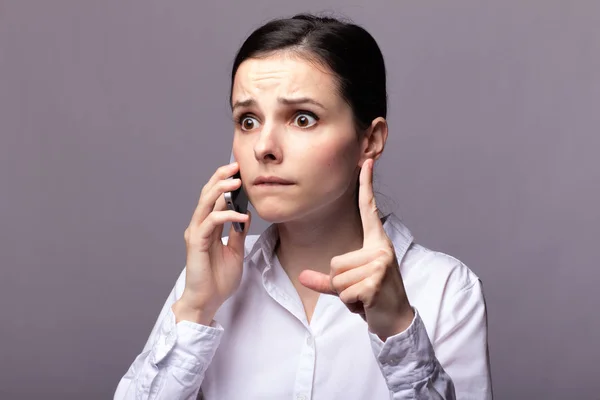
345 48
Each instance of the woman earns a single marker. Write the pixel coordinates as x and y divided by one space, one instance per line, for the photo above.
331 301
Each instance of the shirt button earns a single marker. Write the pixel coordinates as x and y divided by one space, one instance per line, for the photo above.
301 397
309 341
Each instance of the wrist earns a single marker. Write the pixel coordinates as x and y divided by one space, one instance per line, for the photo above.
396 324
404 320
185 312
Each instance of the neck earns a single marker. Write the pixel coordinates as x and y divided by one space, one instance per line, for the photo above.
312 242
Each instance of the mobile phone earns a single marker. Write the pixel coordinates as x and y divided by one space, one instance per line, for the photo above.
237 200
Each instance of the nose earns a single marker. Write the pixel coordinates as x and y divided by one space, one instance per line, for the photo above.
267 148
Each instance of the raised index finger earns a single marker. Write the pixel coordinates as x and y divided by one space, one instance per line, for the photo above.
372 228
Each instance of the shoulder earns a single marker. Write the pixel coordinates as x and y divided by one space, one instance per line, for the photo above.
443 289
424 267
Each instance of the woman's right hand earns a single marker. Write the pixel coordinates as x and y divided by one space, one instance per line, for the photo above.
213 270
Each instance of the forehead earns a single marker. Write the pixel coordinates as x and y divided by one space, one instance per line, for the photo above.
284 75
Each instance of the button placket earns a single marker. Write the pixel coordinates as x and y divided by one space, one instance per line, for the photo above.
306 369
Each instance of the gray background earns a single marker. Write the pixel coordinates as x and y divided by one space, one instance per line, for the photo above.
113 114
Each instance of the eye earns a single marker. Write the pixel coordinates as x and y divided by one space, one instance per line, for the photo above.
248 123
305 119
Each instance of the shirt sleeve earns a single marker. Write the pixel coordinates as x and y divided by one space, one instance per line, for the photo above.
174 359
456 366
461 342
409 366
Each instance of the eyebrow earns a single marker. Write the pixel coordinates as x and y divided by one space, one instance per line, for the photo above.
287 102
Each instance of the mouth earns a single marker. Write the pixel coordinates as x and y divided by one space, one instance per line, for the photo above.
271 181
272 184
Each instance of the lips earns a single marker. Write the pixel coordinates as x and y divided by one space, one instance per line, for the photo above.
271 180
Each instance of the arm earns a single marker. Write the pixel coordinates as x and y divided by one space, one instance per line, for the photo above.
174 359
181 345
456 366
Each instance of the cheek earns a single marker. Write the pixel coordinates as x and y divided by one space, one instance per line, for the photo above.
238 145
333 165
243 150
335 156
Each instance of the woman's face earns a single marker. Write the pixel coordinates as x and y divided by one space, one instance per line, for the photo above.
291 123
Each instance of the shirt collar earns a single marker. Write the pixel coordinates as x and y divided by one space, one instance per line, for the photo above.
398 233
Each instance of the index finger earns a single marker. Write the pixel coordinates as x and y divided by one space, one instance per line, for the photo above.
369 214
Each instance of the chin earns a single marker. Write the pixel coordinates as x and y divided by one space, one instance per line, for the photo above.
276 212
274 216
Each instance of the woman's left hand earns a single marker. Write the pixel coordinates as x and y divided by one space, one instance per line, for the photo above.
368 280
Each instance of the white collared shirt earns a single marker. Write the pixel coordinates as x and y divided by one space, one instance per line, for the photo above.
260 345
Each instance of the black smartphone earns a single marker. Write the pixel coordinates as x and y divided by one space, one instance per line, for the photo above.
237 200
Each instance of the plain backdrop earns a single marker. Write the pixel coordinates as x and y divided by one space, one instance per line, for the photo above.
113 115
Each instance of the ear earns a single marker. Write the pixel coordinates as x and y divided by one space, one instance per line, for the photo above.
373 140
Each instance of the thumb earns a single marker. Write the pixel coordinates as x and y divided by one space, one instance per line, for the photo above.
316 281
237 239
